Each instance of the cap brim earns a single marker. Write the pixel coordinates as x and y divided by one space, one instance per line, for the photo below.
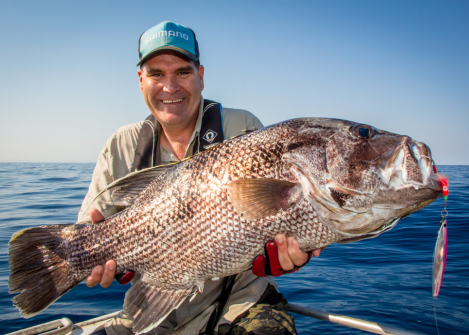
169 47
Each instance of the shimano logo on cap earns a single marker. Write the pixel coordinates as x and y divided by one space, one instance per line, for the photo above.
168 36
163 33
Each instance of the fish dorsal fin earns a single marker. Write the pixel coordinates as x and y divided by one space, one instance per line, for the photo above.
259 198
125 189
149 305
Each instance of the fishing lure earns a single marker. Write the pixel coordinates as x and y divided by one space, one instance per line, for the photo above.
441 247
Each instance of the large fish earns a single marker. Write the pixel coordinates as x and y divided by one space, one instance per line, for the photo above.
318 180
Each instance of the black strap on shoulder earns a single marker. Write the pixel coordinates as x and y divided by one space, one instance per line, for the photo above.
147 141
211 133
221 303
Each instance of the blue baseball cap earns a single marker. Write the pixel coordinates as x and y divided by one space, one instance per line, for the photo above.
168 36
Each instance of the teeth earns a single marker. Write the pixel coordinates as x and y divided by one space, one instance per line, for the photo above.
171 101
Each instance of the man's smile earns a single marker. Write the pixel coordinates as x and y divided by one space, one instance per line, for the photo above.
171 101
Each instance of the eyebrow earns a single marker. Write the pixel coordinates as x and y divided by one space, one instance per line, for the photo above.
187 68
180 69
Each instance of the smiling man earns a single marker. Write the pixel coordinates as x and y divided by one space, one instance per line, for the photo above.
172 89
181 124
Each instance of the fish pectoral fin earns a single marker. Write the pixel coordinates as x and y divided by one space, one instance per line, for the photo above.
149 305
259 198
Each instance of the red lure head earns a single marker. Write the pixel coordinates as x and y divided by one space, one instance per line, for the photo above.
443 181
444 186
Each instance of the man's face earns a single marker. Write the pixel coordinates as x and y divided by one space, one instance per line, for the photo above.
172 88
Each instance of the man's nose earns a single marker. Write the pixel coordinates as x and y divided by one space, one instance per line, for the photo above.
171 85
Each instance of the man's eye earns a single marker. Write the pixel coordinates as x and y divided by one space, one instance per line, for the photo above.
183 73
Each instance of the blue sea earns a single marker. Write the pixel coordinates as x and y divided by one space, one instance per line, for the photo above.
386 279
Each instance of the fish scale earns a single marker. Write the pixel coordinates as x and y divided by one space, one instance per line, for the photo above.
202 242
210 216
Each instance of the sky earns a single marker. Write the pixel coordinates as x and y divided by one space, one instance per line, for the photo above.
68 74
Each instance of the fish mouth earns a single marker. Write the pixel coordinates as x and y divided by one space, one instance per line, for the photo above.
405 178
410 164
404 184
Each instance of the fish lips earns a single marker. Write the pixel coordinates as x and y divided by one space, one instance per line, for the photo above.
408 195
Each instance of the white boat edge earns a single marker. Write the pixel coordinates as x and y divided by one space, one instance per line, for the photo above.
88 326
66 326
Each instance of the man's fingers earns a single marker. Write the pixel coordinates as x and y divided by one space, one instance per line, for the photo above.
316 252
283 257
96 216
102 275
297 256
95 277
109 273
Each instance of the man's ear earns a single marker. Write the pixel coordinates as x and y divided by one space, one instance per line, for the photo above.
201 77
140 79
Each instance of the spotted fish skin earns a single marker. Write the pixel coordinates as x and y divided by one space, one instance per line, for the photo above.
183 230
210 216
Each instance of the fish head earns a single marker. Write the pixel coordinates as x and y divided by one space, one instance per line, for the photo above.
360 179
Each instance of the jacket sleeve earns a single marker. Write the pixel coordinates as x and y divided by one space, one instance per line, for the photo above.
114 162
101 178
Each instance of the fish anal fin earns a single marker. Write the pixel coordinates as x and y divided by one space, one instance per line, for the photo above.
259 198
149 305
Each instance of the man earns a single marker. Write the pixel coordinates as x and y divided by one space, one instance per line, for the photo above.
181 121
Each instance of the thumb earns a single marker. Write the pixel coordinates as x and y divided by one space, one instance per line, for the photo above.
96 216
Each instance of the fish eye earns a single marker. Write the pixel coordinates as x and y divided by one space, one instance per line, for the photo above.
363 131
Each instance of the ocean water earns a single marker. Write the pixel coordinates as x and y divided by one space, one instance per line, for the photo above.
386 279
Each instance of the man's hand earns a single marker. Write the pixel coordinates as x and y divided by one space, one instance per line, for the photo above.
284 256
101 275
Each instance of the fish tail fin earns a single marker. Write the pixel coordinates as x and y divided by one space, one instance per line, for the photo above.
36 269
